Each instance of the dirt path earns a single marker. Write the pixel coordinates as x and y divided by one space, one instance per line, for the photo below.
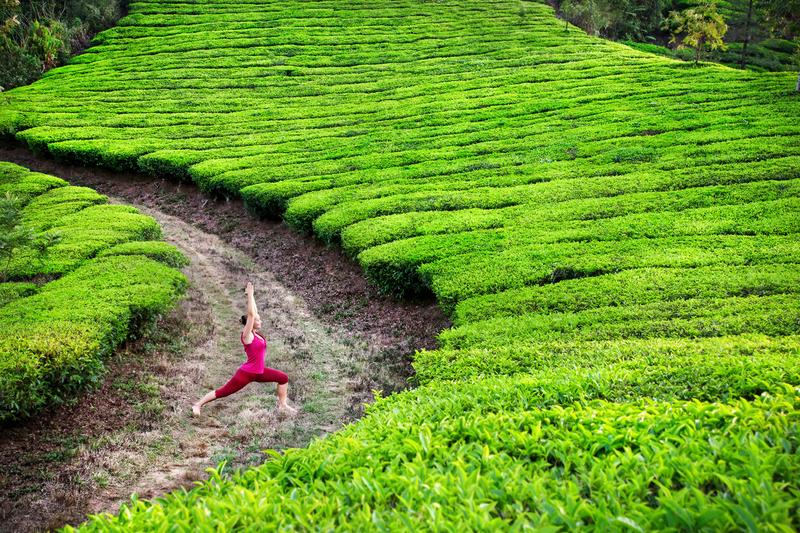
317 360
335 337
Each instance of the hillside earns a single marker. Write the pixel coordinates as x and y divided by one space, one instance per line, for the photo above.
615 235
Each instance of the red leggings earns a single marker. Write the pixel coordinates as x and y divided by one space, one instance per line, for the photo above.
241 378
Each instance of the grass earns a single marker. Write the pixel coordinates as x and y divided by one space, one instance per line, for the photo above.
144 393
614 234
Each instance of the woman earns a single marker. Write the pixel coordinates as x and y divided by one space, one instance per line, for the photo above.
255 346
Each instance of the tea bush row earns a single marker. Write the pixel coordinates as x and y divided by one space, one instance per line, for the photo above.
707 369
550 452
55 334
396 267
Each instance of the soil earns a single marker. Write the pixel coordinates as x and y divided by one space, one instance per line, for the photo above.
333 334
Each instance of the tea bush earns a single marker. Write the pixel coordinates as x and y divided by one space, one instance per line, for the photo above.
514 453
11 291
54 335
157 250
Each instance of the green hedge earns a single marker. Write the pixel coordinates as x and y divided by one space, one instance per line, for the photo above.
634 285
767 54
514 453
24 184
54 335
707 368
157 250
83 231
53 343
11 291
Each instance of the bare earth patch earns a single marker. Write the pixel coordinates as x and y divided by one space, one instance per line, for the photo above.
334 336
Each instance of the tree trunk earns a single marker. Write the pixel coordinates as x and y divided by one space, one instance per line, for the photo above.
743 61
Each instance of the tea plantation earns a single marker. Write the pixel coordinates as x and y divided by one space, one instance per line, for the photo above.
615 235
62 311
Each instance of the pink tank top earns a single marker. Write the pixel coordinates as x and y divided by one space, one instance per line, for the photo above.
255 354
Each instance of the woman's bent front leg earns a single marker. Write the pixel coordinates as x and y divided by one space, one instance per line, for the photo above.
283 389
271 375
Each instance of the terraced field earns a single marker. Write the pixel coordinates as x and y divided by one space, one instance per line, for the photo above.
63 311
614 234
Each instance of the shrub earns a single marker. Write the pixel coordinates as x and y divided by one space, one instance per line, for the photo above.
513 453
54 335
157 250
52 343
11 291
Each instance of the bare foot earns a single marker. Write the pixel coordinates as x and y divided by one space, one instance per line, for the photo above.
196 410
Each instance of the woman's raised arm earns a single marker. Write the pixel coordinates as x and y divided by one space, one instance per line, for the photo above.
252 312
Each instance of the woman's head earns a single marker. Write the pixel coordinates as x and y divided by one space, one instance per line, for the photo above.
256 322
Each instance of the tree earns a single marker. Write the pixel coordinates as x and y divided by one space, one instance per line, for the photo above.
46 40
635 19
747 25
615 19
699 28
590 15
797 61
758 19
36 35
782 17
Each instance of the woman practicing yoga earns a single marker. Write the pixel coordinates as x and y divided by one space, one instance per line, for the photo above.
255 346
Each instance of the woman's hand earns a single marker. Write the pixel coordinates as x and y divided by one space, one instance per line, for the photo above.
252 310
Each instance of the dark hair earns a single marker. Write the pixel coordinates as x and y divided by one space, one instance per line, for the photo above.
244 320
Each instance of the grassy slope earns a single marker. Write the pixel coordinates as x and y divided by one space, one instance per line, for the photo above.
54 333
615 235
